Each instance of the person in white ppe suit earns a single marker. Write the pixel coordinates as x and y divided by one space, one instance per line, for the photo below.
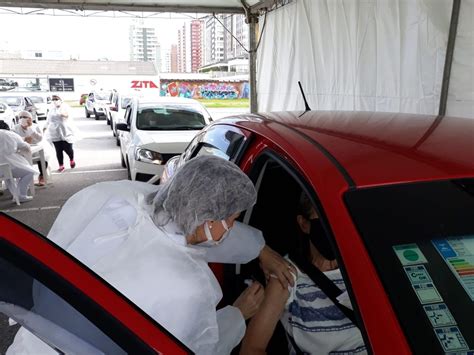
11 145
153 243
32 134
60 132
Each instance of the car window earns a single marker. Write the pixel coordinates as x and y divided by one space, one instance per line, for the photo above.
47 320
11 100
128 113
169 117
224 141
280 187
28 101
125 102
37 99
102 96
420 237
58 300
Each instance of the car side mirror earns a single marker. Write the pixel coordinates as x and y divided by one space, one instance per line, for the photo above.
123 127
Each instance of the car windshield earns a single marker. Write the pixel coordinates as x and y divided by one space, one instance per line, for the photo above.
126 101
170 117
102 96
11 100
37 99
420 237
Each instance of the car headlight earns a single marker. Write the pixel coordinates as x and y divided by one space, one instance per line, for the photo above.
148 156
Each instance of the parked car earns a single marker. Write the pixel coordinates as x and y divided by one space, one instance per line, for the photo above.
83 99
120 100
97 104
42 101
157 130
395 193
7 115
117 109
6 84
19 102
66 306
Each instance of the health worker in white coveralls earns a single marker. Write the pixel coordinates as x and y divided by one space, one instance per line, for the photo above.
153 243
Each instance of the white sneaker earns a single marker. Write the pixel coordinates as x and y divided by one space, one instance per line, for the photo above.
25 198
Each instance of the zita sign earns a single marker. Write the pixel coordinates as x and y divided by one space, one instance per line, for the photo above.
143 84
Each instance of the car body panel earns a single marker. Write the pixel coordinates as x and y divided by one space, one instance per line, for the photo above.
53 259
380 148
7 115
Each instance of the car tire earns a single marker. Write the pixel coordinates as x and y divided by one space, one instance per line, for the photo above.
88 115
96 115
122 161
117 141
108 120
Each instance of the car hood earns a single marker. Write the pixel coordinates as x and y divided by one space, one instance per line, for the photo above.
164 141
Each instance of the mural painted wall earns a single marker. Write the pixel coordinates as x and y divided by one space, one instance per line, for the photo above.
197 89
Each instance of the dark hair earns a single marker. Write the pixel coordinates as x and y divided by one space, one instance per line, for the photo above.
4 125
300 246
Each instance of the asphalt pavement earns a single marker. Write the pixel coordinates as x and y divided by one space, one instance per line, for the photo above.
97 158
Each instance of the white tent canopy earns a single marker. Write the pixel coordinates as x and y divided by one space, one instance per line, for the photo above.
375 55
143 5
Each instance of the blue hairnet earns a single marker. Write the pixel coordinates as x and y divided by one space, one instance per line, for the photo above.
203 189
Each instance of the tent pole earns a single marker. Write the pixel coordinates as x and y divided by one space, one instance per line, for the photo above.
449 57
253 19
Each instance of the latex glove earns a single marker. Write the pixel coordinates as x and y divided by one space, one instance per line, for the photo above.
250 299
274 265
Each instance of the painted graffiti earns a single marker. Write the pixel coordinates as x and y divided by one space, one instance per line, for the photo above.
205 89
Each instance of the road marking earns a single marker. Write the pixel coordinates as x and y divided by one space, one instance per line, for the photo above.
89 171
33 209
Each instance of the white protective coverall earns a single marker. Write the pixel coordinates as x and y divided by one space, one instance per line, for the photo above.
154 267
58 127
37 138
10 143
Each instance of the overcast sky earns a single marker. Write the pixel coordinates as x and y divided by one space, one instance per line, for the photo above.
88 38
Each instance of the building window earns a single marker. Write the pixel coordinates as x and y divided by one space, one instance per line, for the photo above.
38 55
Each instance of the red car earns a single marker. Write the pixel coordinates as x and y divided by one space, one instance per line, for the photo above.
395 193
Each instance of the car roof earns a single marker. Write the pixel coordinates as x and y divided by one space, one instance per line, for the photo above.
376 148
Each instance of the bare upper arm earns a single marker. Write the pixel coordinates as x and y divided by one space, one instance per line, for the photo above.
262 325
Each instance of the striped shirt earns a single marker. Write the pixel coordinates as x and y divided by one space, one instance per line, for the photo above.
315 323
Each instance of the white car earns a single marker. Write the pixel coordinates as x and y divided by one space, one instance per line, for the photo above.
7 115
97 104
156 130
42 101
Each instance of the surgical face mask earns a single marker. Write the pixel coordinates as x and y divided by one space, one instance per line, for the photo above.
211 242
319 239
24 122
57 103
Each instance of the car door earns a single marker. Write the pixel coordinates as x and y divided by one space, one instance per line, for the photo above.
90 103
125 136
64 307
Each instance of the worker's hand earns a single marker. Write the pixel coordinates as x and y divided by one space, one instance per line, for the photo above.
249 300
274 265
28 139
